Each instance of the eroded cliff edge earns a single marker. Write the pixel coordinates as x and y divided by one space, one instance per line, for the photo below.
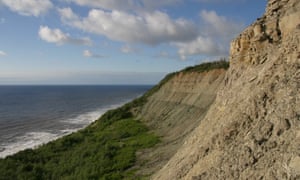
245 121
176 109
252 130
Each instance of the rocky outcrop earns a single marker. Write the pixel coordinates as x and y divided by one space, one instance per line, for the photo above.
174 111
252 130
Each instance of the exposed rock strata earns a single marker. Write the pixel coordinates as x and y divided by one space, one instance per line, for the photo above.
175 110
252 131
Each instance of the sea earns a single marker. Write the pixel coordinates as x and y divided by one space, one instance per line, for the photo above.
34 115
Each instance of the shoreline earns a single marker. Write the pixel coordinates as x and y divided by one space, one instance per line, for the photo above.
34 140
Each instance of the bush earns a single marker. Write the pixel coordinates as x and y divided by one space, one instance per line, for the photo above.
104 150
106 154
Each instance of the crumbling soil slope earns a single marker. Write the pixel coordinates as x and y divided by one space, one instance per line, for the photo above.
174 111
252 130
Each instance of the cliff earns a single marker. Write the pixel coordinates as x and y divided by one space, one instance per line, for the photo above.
175 110
130 142
252 130
212 123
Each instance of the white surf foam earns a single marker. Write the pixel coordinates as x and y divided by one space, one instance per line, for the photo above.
29 140
89 117
33 140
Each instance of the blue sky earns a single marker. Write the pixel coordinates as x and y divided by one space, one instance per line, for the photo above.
115 41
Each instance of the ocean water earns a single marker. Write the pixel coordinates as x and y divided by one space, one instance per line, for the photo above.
33 115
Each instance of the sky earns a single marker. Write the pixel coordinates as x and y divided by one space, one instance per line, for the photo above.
115 41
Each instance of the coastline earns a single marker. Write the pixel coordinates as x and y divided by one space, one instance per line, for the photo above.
34 140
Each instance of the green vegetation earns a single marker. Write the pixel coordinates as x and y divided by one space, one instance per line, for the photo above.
221 64
104 150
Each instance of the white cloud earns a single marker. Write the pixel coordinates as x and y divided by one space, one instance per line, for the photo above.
28 7
214 38
219 25
106 4
150 4
211 37
2 53
58 37
89 54
52 35
125 5
200 46
149 28
67 14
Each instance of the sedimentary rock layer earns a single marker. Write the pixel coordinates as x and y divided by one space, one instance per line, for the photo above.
252 130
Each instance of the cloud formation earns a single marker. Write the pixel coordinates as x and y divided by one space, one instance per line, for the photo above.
200 46
89 54
125 5
58 37
219 25
209 37
214 37
28 7
149 28
2 53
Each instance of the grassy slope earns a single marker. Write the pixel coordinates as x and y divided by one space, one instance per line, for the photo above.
104 150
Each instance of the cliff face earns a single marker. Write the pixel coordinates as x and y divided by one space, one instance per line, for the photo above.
175 110
181 102
243 123
252 130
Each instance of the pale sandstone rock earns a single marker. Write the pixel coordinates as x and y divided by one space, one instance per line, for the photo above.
295 165
174 111
252 129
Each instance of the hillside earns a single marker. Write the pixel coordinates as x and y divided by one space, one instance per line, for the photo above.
177 108
252 130
210 121
130 142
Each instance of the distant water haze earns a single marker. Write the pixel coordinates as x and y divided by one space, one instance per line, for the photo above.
33 115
